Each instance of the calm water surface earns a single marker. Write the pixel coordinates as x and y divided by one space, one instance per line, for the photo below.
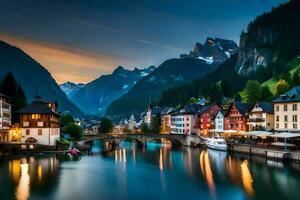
153 172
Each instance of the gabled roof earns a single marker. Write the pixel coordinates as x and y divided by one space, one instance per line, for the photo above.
37 107
243 108
266 107
293 95
206 108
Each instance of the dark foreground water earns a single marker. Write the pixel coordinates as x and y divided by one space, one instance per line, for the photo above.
154 172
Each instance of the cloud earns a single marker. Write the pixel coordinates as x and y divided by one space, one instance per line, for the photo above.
139 40
66 63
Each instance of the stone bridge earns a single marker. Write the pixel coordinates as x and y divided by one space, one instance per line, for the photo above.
142 139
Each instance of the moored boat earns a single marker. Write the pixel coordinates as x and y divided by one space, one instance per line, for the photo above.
216 142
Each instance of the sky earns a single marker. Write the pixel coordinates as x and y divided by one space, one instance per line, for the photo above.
80 40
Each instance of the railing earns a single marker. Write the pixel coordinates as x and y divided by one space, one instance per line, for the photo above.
256 120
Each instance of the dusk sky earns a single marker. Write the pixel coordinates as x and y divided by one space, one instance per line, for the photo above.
80 40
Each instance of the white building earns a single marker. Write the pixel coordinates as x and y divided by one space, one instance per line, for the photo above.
219 122
5 117
39 123
261 117
286 111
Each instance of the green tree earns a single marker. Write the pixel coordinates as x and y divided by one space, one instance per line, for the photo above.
281 87
9 86
251 92
75 131
66 119
214 93
20 100
192 100
106 125
155 124
265 94
296 78
145 128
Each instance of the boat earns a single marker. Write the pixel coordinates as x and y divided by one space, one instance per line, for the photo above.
74 152
216 143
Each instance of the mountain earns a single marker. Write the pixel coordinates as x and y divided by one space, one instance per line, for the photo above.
270 38
214 50
70 88
169 74
33 77
94 97
267 52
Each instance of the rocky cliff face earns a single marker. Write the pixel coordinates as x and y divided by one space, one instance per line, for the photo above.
213 50
270 38
255 50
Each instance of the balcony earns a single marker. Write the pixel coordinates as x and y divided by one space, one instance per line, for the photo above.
256 120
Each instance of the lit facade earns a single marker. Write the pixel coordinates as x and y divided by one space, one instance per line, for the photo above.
5 117
39 123
286 111
261 117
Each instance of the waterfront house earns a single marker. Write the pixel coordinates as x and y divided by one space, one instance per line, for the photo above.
236 118
207 115
286 111
39 122
5 118
219 121
186 120
166 120
261 117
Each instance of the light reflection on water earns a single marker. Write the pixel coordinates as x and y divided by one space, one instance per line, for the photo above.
152 172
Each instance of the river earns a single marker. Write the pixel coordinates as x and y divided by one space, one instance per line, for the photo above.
158 171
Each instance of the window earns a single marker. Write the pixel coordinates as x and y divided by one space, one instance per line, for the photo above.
277 118
285 118
285 108
277 108
277 125
27 132
294 126
294 107
285 125
294 118
35 116
40 132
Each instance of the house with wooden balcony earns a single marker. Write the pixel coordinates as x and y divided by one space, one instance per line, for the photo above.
261 117
5 117
236 118
39 123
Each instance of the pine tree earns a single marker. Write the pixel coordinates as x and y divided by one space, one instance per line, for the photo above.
20 100
9 86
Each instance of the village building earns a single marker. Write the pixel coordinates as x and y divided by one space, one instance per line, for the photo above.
207 115
166 120
186 120
236 118
5 118
286 111
261 117
39 123
219 121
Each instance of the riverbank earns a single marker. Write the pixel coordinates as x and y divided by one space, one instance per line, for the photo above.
264 152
